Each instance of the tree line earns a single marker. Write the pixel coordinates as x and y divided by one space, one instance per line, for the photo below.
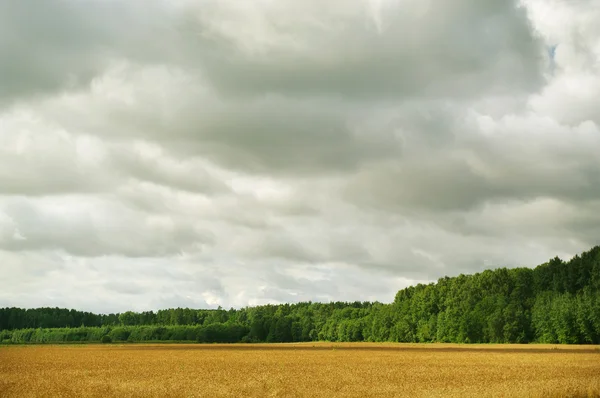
556 302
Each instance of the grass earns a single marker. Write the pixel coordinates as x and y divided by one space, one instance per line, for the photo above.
300 370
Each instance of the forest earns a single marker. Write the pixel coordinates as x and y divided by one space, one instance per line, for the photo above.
556 302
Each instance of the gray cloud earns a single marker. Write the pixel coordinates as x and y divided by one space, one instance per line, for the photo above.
375 50
486 159
266 134
206 153
93 227
63 44
149 163
41 158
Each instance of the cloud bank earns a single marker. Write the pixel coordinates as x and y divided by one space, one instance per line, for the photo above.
205 153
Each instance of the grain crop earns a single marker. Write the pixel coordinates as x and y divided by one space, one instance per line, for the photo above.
299 370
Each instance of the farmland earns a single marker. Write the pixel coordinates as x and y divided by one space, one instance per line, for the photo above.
306 370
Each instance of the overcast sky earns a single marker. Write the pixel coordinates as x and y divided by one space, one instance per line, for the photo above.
166 153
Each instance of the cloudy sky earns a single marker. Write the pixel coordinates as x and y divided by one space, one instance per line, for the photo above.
217 152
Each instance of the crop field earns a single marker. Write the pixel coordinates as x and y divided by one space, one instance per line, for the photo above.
299 370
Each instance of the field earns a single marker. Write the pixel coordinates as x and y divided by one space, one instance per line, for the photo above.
299 370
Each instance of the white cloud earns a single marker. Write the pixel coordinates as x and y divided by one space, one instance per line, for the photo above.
205 153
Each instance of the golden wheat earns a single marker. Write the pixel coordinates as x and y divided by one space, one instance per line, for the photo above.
299 370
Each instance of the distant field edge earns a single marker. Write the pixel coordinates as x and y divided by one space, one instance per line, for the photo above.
356 346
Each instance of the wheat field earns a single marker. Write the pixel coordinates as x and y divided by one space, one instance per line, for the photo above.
299 370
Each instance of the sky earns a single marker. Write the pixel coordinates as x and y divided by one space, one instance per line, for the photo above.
179 153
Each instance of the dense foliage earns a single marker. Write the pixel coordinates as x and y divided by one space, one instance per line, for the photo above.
557 302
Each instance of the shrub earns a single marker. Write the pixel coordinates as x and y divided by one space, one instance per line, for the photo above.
106 339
